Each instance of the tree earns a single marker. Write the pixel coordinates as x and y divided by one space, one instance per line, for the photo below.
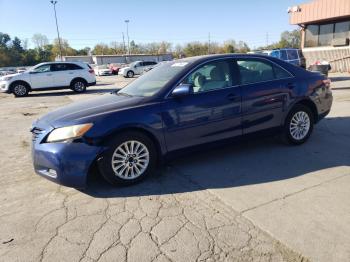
101 49
17 45
164 47
290 39
117 48
40 40
4 40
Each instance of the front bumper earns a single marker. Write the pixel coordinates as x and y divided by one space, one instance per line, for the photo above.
67 164
4 86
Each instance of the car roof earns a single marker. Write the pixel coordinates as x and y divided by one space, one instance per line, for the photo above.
63 62
204 58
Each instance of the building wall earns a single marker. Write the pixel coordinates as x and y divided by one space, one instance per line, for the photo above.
319 10
86 59
121 59
117 59
339 57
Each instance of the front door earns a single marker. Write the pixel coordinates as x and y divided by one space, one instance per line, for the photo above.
42 77
212 112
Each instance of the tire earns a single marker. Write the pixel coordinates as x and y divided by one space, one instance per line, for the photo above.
130 74
20 89
124 169
298 126
78 86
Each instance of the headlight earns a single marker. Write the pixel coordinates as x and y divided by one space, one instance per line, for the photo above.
68 133
7 78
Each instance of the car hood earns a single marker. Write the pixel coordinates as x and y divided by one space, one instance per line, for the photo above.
85 111
11 75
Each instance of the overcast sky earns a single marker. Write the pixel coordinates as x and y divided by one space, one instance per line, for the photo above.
87 22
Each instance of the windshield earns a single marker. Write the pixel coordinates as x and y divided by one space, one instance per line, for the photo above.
133 64
154 80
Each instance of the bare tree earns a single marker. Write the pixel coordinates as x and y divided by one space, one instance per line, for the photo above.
40 41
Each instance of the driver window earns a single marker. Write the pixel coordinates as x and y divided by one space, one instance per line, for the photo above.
42 69
211 76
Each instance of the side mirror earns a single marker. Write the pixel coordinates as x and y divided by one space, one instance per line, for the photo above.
182 90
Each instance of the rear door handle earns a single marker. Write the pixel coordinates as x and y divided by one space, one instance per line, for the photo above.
290 85
49 74
232 97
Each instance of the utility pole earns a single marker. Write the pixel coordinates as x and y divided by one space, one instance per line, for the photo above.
127 34
209 44
267 39
58 32
124 48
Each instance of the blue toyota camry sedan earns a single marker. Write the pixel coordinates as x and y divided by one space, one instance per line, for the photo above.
177 105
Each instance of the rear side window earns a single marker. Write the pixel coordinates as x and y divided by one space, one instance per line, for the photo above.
73 67
280 73
255 71
292 55
59 67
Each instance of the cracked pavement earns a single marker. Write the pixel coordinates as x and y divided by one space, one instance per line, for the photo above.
201 207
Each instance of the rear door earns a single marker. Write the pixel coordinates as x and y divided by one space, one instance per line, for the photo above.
211 112
60 72
265 87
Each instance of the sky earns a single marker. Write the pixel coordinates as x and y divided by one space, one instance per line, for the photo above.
87 22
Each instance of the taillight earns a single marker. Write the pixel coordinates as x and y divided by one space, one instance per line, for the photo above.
92 71
327 83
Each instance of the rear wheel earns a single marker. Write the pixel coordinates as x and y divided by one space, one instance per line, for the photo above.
130 158
299 125
78 86
20 89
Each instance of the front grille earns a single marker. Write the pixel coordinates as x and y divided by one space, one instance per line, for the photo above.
36 132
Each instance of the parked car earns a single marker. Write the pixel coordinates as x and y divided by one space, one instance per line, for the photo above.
5 72
177 105
102 70
136 68
114 68
48 76
290 55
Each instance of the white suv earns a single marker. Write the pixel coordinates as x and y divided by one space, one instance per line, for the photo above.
136 68
48 76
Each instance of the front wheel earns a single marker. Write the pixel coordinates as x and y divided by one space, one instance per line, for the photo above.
20 90
130 158
130 74
299 125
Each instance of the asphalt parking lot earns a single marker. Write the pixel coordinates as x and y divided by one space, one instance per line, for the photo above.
254 201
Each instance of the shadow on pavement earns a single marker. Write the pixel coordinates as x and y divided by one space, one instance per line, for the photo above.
339 78
256 161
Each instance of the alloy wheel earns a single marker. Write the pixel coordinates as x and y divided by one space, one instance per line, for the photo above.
130 160
79 86
299 125
20 90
